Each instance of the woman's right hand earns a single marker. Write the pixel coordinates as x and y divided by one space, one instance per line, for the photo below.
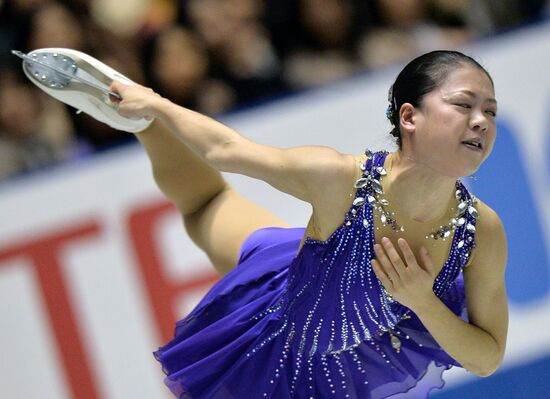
137 101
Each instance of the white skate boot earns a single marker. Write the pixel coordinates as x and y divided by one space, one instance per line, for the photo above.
80 81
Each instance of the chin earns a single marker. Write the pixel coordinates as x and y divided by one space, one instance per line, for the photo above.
459 169
471 168
472 164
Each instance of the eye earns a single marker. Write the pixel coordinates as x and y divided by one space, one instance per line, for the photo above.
463 105
492 113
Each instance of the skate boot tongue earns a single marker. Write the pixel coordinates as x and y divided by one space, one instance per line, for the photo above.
57 71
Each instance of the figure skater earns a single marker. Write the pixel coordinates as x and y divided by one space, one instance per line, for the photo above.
398 276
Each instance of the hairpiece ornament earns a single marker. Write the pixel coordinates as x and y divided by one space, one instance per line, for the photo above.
389 113
392 107
389 110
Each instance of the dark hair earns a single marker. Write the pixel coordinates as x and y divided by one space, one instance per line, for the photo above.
420 77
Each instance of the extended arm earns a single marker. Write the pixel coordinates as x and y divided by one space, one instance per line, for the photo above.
299 171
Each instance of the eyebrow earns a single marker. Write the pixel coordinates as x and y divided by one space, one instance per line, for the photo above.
472 94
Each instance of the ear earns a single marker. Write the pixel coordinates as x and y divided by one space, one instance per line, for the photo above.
407 118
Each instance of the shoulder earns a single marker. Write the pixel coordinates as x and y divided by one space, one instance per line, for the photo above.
489 224
333 193
490 237
332 163
318 170
334 174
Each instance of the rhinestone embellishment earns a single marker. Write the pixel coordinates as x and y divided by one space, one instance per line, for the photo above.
377 199
395 342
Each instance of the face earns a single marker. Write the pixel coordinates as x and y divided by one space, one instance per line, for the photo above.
54 26
403 13
328 21
20 110
180 64
461 109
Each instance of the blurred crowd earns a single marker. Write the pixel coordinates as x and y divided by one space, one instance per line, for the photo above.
215 55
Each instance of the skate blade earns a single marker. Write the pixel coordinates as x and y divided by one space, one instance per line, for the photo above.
59 71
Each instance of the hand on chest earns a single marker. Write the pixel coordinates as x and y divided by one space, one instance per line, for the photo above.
439 250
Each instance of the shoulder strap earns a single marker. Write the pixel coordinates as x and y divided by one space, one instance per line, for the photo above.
374 160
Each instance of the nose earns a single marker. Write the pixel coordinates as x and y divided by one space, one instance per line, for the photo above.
479 122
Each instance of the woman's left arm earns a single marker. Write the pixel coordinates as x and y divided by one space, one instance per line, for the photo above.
478 345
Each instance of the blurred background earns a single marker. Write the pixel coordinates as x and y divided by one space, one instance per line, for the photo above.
94 265
216 56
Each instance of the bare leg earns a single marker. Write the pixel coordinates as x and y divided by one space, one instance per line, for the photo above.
216 217
187 180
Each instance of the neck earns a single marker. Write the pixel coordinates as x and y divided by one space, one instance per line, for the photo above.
417 192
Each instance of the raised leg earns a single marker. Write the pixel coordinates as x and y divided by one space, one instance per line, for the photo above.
187 180
216 217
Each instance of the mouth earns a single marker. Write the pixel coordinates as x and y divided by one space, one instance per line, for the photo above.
473 145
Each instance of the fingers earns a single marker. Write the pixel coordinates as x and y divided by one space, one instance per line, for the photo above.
387 261
396 267
390 253
427 261
379 271
114 100
410 259
401 275
408 254
117 86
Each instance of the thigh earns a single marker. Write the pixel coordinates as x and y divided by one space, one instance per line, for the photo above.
222 225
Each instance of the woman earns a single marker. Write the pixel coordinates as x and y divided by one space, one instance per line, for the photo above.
306 313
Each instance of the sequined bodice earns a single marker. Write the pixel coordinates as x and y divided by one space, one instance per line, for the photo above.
333 299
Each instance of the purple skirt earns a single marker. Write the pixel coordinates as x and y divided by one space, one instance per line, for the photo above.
254 334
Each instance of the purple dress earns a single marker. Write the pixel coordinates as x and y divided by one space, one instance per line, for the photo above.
317 324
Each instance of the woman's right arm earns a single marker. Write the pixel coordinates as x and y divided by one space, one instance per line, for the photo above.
306 172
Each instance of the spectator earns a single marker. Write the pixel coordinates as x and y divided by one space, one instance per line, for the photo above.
176 63
242 55
403 30
488 16
34 129
327 36
54 25
219 54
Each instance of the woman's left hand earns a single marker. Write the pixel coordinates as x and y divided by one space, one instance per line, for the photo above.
402 276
